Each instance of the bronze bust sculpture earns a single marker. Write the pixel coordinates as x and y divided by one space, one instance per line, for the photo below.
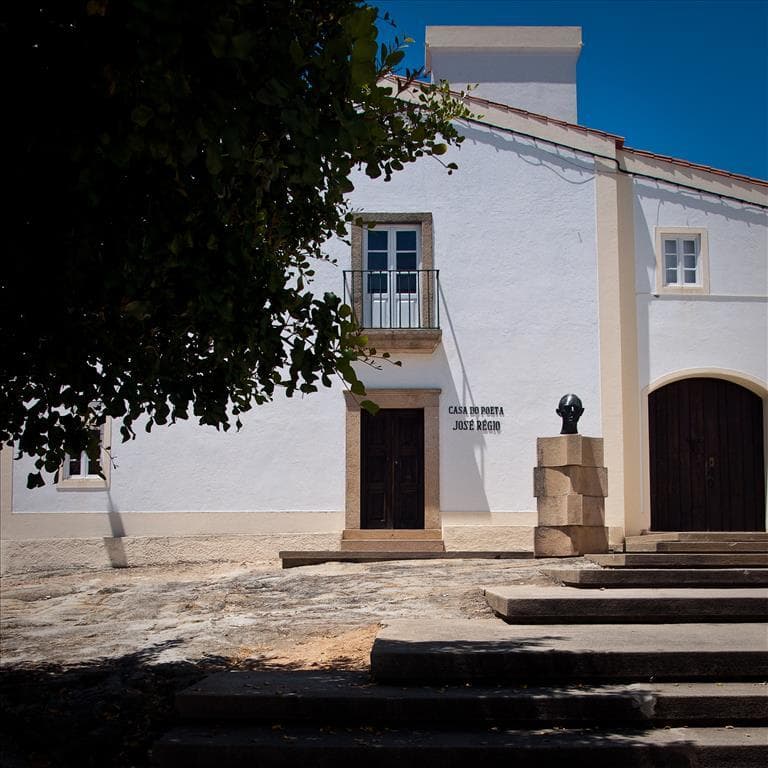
569 409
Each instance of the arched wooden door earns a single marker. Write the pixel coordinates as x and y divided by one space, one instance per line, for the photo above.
706 457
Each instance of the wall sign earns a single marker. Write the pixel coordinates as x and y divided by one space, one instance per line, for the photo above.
483 418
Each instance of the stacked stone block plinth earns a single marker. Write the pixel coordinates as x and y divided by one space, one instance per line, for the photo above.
570 484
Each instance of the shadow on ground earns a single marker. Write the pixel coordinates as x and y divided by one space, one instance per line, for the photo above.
105 713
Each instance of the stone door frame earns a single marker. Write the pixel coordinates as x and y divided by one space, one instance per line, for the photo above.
426 399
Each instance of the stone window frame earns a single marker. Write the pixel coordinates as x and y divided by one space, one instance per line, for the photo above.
701 287
417 340
426 399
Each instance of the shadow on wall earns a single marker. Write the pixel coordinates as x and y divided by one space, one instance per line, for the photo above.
114 545
551 158
701 202
462 457
645 268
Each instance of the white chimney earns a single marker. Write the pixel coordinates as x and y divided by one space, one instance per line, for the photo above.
533 68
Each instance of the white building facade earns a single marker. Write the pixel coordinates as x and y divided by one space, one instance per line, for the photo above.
555 260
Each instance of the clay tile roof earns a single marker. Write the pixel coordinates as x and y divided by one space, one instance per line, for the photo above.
697 166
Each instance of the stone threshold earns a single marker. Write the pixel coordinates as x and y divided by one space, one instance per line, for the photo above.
293 559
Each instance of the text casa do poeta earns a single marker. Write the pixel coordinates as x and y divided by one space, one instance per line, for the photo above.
480 420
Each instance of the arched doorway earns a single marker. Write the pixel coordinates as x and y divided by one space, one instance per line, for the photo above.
706 457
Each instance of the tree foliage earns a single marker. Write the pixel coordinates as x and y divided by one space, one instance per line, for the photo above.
175 167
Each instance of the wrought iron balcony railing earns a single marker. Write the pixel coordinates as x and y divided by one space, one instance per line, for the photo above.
394 298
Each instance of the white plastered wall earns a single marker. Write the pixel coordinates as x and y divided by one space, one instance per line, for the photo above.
543 83
515 244
531 68
723 334
514 240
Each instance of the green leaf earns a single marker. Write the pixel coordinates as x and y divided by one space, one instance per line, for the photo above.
370 406
242 45
142 114
219 44
364 51
394 58
362 72
297 54
198 184
213 160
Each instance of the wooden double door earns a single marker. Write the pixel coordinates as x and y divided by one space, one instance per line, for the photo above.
392 468
706 457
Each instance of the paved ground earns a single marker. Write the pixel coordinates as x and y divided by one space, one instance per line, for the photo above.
238 611
92 659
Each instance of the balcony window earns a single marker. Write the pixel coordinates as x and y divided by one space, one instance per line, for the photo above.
392 287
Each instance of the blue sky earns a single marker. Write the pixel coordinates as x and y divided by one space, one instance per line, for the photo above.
682 78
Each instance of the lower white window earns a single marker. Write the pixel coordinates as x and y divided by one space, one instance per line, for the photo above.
81 472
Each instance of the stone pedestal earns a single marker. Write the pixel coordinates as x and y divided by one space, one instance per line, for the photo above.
570 484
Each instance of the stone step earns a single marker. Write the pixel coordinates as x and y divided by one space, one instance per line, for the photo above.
680 560
233 746
661 577
296 558
712 546
392 545
347 698
556 605
647 542
409 651
361 534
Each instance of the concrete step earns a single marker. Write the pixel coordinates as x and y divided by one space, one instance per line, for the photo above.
647 542
661 577
362 534
296 558
408 651
392 545
593 748
326 698
557 605
680 560
711 546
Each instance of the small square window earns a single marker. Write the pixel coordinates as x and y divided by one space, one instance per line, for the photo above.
681 261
